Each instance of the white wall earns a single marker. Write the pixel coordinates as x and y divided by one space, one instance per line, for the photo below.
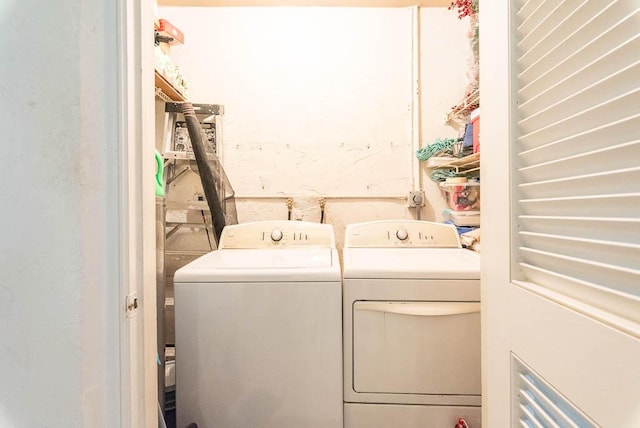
319 102
59 310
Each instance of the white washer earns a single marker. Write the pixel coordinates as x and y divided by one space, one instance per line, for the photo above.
411 311
258 330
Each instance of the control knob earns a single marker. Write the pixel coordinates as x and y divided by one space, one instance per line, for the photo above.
276 235
402 234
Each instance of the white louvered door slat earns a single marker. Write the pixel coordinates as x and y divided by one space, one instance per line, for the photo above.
531 420
623 230
536 403
562 43
578 154
544 403
535 412
609 252
612 110
598 57
536 37
626 280
624 130
530 14
600 160
619 181
568 100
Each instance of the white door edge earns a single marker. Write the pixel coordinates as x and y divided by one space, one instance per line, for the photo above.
138 378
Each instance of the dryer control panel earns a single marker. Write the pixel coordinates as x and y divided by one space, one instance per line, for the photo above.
277 234
401 233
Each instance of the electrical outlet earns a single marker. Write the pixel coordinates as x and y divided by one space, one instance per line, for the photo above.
415 199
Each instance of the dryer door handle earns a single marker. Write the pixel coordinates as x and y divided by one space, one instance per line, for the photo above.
419 308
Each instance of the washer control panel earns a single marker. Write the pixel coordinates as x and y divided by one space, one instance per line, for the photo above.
277 234
401 233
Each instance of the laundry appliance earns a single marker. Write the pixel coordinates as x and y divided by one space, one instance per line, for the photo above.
411 314
258 330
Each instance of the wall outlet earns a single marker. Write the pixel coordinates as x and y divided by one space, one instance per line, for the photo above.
415 199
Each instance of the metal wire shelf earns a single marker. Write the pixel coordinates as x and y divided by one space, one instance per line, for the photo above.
466 164
462 110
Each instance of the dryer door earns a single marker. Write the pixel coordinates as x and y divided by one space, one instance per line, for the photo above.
416 347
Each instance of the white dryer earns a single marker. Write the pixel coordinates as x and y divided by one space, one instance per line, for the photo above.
411 311
258 330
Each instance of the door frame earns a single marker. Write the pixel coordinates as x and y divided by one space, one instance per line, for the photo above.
495 72
136 133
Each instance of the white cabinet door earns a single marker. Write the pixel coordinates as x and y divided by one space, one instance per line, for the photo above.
561 216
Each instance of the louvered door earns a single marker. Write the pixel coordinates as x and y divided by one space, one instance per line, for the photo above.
577 147
561 221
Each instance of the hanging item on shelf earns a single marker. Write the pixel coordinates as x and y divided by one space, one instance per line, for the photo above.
441 174
470 8
439 146
456 159
471 99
